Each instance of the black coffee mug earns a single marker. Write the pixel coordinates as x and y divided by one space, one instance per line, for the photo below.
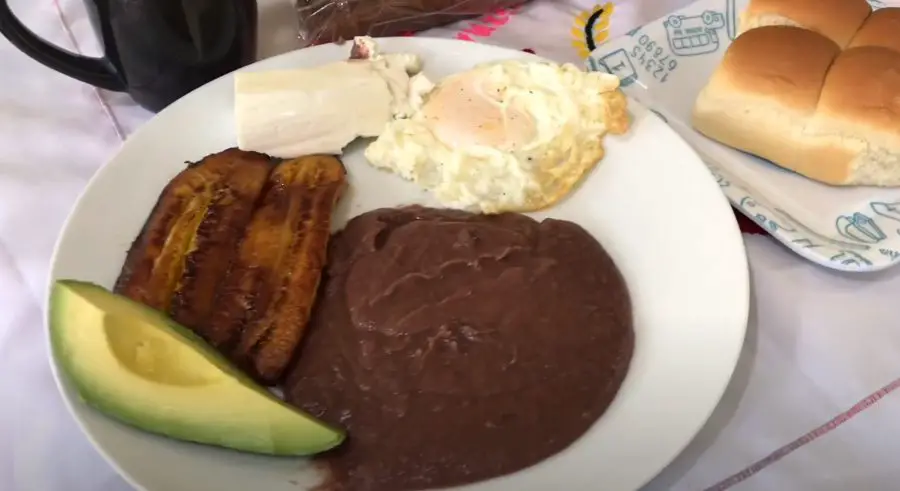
156 50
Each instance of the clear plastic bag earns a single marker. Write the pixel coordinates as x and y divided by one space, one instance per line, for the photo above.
324 21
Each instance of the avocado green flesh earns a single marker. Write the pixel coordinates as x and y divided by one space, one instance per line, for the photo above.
140 367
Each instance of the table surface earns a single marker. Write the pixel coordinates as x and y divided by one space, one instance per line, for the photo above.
811 406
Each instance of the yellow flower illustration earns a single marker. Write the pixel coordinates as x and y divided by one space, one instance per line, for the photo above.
591 28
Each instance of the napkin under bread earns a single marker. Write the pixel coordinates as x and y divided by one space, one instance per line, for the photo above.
813 86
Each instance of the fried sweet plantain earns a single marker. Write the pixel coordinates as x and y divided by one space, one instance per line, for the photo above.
265 301
183 251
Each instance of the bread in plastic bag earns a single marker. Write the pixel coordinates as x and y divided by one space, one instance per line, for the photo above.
324 21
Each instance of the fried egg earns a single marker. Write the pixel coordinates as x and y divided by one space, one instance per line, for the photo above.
506 136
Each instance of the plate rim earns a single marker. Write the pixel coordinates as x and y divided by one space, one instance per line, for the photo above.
742 269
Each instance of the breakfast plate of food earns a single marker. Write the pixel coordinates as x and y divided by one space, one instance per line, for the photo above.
795 107
394 265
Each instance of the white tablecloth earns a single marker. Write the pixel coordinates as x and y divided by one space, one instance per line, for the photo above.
810 407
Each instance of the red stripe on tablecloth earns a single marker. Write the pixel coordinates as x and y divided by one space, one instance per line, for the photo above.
806 439
747 225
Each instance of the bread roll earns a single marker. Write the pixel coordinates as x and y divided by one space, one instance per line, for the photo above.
837 20
792 96
856 128
882 28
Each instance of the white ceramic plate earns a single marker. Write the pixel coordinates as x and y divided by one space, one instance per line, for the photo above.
665 63
651 203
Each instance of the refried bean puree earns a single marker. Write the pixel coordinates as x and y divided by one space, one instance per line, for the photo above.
456 347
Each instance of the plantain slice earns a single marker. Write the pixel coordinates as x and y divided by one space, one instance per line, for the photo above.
266 298
183 250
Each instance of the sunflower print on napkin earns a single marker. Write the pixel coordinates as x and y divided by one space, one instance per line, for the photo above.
591 28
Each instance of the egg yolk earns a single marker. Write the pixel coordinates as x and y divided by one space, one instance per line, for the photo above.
468 111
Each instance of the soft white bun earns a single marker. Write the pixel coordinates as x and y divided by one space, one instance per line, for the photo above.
823 102
837 20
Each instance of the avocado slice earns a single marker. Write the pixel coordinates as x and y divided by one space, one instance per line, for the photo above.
138 366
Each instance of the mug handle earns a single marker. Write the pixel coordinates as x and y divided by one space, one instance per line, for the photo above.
98 72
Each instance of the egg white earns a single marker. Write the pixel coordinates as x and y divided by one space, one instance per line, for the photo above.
505 136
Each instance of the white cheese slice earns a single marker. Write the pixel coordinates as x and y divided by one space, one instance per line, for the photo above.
291 113
301 112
